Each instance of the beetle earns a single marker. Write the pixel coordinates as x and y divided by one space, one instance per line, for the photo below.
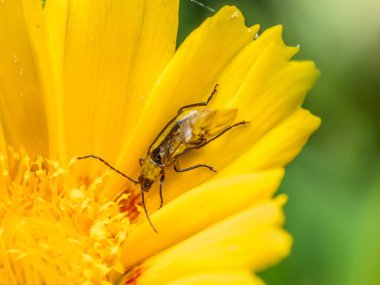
193 127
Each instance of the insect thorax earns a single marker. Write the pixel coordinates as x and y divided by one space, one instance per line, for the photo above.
150 169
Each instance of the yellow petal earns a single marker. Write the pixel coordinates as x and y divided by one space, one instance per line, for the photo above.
46 28
237 72
22 109
197 209
121 48
265 105
279 146
251 239
3 146
220 278
189 77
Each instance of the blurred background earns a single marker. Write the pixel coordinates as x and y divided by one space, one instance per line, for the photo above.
333 211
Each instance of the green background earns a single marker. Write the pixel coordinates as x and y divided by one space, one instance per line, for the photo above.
334 185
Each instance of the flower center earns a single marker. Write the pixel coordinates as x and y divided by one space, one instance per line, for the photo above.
53 229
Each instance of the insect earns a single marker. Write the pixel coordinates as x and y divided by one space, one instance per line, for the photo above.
193 127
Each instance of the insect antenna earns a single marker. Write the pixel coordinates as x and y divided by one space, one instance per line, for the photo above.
109 165
146 211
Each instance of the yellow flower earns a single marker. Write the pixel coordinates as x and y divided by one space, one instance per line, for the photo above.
103 77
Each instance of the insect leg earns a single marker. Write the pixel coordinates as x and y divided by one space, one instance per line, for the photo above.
201 103
177 167
161 184
223 132
146 211
109 165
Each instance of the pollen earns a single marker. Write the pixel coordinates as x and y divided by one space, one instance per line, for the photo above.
53 229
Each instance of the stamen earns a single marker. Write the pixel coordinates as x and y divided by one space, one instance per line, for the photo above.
53 226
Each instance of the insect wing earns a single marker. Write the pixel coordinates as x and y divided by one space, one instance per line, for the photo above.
189 130
170 139
209 123
201 127
162 136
